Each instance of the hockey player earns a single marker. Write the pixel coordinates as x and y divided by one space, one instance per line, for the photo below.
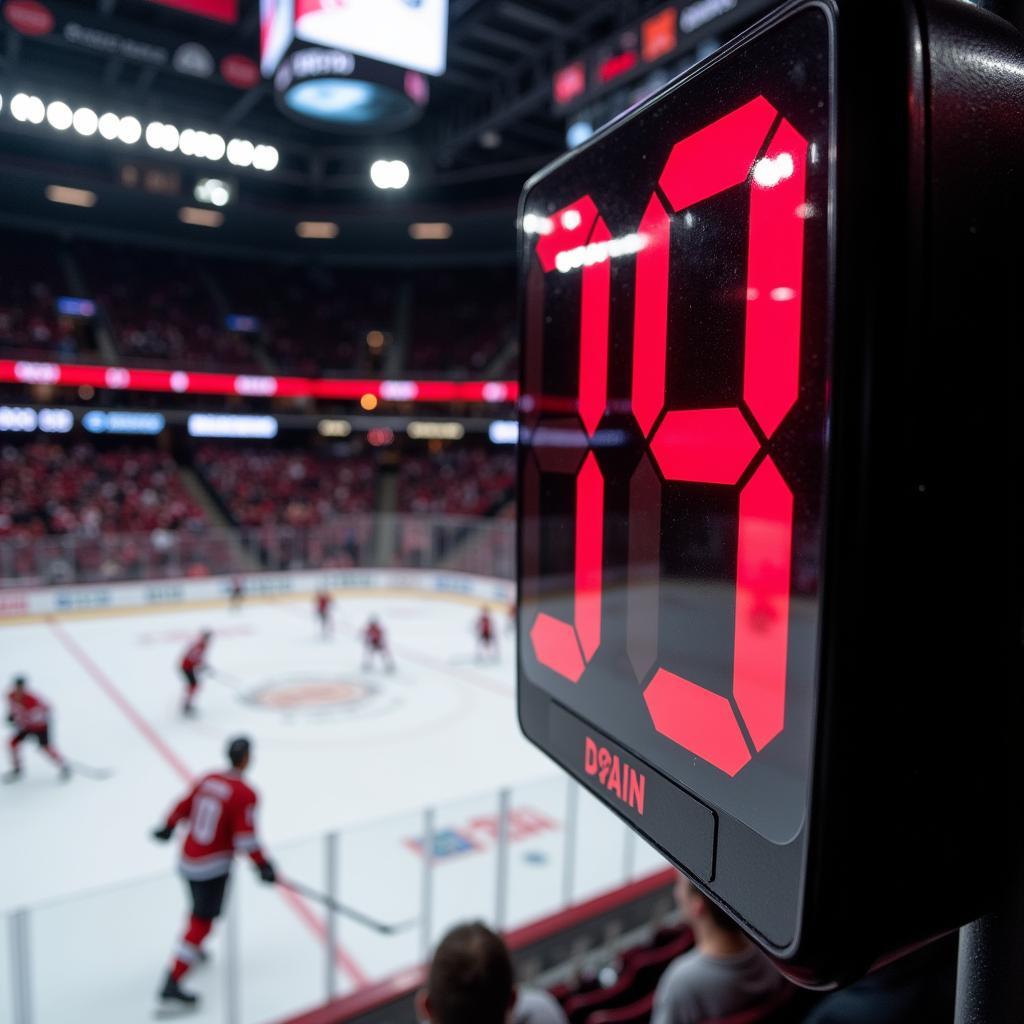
486 638
236 594
30 716
220 812
375 643
191 664
324 601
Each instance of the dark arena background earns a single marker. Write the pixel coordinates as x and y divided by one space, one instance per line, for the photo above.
479 461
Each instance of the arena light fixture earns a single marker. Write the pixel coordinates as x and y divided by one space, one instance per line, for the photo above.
197 146
316 229
503 431
215 147
200 218
334 428
434 430
25 107
59 115
241 152
85 121
71 196
188 142
31 109
430 232
387 174
129 130
213 191
265 158
162 136
109 126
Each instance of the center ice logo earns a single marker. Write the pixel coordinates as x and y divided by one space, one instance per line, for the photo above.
312 695
615 775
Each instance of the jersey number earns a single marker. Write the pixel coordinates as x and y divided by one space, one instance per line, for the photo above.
206 818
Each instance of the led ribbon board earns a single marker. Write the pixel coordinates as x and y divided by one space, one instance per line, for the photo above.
692 402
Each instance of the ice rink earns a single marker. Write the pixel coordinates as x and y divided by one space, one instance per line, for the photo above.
338 749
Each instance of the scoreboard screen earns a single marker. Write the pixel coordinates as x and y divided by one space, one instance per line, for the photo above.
698 383
690 483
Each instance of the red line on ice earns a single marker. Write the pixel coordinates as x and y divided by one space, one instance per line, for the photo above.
104 682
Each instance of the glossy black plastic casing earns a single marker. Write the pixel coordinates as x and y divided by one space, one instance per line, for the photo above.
906 835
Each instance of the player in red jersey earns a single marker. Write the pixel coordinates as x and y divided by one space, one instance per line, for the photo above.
486 638
30 716
191 664
221 814
324 601
375 643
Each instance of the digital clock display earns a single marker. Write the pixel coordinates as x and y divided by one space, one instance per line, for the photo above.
674 429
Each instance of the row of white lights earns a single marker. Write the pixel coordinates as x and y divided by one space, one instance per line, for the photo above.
24 107
129 130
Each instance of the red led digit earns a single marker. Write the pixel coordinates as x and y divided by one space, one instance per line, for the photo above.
717 446
567 648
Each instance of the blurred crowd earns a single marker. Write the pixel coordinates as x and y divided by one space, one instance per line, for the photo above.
463 480
298 488
169 308
47 487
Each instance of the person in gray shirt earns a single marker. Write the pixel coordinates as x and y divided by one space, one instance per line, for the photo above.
471 981
723 974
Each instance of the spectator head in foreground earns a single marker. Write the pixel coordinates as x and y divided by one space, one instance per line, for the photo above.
713 929
723 974
471 981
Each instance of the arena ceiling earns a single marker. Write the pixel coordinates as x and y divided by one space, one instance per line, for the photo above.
488 125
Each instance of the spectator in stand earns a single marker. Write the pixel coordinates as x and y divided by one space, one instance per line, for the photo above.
461 480
471 981
161 309
461 320
31 279
298 488
723 974
88 491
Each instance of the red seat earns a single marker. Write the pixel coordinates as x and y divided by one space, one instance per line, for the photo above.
562 992
641 970
635 1013
650 962
580 1007
778 1009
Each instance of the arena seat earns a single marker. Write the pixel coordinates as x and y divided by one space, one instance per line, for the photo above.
785 1007
641 969
635 1013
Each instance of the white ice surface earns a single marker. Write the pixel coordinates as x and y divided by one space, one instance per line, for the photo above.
105 907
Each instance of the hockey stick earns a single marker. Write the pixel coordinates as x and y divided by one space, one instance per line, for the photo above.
233 683
339 908
88 771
